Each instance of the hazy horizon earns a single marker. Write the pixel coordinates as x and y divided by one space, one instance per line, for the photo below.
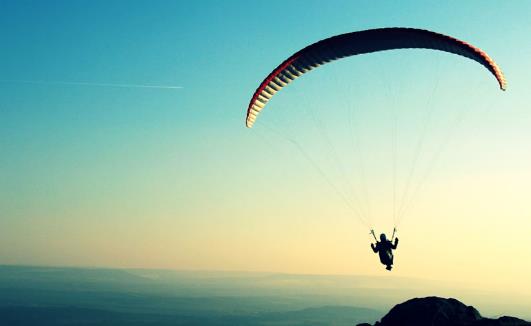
293 292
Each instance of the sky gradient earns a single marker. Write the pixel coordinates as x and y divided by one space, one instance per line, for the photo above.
171 178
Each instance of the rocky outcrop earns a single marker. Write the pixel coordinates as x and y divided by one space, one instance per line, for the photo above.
435 311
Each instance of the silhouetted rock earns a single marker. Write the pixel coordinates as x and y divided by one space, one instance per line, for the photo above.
434 311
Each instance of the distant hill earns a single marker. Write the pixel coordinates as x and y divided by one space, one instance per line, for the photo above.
435 311
48 296
71 316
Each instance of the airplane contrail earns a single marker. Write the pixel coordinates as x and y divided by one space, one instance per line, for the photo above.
77 83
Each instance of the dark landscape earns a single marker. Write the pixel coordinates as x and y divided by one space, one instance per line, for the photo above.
91 296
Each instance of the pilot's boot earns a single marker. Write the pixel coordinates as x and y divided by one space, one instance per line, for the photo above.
389 267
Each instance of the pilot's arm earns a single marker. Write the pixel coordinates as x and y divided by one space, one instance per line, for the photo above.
374 247
395 244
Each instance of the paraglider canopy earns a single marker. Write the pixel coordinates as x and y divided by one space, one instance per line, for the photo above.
362 42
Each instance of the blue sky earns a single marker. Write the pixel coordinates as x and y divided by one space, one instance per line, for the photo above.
132 177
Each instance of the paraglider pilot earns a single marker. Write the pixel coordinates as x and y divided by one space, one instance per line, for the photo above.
385 249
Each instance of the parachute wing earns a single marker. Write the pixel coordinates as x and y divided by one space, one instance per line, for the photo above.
362 42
